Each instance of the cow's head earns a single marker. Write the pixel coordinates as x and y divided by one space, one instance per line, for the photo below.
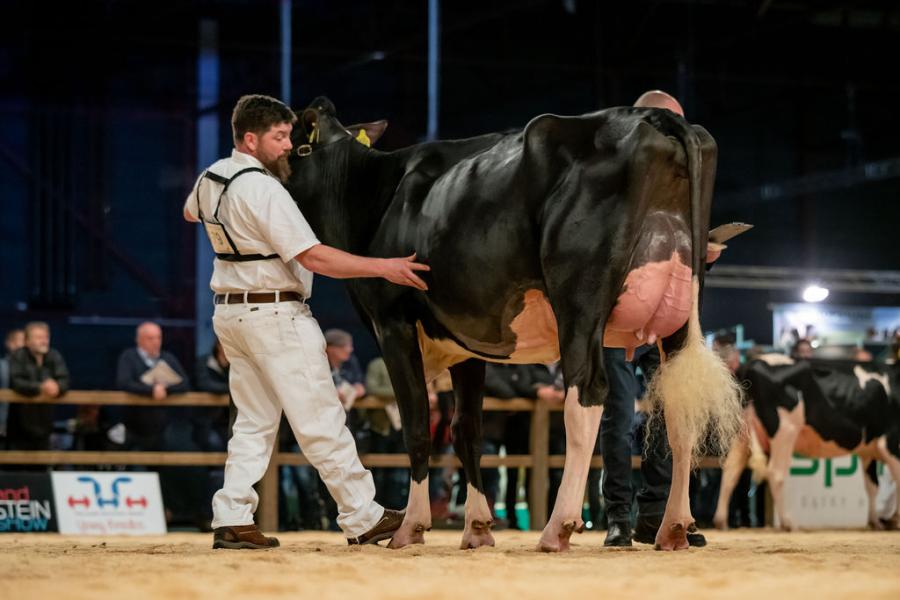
318 126
332 177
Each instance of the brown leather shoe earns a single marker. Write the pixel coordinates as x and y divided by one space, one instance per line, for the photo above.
239 537
389 523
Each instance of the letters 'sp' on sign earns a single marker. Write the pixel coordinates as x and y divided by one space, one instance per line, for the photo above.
824 493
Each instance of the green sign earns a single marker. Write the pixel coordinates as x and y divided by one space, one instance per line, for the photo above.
810 466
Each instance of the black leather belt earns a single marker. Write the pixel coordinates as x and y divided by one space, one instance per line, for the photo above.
260 298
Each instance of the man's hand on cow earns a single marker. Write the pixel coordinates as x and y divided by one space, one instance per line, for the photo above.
402 271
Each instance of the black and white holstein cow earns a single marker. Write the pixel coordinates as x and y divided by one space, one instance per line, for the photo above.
544 243
819 411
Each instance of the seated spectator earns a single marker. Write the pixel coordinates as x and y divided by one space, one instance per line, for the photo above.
212 426
147 370
345 369
15 339
350 383
35 370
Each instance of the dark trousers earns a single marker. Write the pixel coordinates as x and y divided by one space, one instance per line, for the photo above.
619 440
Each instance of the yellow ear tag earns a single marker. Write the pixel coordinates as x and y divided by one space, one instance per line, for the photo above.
363 139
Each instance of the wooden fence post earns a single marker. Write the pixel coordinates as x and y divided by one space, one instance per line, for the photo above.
540 471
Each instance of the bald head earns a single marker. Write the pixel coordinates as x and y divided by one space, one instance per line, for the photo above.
659 99
149 338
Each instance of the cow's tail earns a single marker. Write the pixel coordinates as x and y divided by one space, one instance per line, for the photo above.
697 394
694 388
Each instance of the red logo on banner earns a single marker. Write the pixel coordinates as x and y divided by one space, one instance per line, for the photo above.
84 501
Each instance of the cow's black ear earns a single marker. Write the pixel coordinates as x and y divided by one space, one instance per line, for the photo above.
308 119
372 131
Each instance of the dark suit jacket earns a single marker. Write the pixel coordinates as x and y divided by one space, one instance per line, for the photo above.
145 420
33 422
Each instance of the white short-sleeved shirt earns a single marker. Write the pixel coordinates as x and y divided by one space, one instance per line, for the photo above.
261 218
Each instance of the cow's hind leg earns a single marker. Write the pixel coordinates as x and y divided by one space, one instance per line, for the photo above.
782 449
893 465
870 481
700 401
581 282
404 363
468 389
582 424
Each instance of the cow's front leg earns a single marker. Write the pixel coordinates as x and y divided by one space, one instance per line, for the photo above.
404 363
582 424
468 389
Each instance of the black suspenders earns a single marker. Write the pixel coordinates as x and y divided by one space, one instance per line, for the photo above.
216 229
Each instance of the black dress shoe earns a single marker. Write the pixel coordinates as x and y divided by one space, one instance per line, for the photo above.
618 535
646 527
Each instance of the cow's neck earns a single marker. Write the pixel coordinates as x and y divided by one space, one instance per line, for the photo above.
353 210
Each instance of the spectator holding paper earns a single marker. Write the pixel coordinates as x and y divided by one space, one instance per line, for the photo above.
148 370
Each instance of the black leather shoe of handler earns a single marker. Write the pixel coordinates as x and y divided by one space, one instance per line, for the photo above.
618 535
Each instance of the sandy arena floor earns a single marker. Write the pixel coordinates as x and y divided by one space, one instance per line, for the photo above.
762 565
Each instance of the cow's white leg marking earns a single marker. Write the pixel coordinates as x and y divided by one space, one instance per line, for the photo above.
582 424
479 520
417 519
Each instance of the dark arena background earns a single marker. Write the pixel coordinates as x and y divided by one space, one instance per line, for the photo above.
110 110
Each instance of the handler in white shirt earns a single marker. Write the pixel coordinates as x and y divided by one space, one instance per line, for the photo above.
266 254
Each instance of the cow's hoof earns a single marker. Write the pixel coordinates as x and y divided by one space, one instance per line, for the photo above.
720 523
877 524
788 525
477 534
672 535
409 534
890 524
555 537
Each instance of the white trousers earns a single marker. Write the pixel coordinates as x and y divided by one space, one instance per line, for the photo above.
278 362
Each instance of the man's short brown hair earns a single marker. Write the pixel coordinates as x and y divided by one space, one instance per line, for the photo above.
256 113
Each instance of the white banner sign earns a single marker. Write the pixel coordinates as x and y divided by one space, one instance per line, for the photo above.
822 493
91 503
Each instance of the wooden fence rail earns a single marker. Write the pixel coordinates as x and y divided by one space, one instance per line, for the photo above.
538 460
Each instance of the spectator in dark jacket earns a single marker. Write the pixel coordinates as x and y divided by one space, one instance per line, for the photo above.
15 339
140 371
35 370
212 426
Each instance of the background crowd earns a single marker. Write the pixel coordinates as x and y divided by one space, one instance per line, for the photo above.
32 367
